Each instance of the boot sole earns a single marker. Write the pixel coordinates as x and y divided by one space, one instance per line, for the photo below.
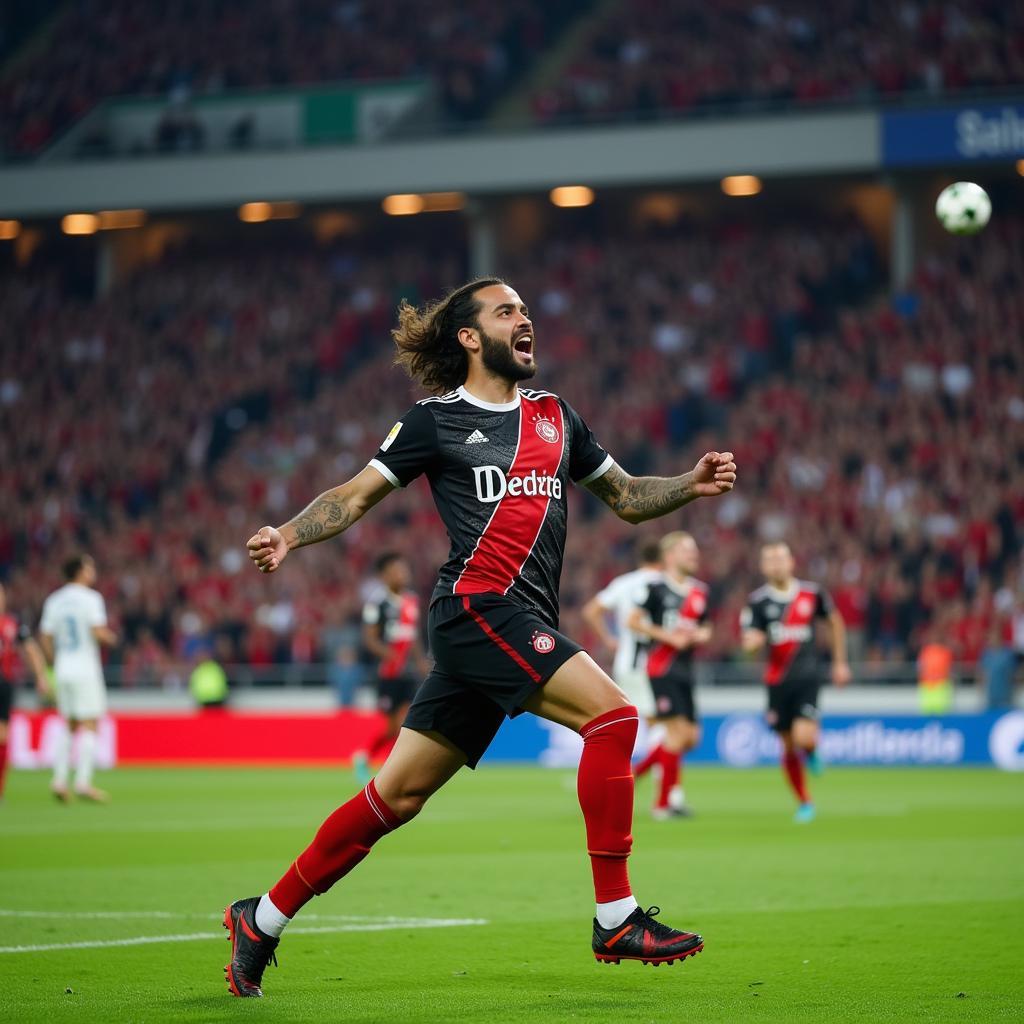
656 961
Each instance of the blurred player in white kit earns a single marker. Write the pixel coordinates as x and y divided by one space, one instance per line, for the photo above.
629 649
73 626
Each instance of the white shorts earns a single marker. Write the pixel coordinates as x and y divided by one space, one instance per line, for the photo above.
637 687
81 697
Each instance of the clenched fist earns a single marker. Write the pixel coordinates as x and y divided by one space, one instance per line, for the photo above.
267 549
715 474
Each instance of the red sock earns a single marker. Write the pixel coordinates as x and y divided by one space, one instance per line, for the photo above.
793 766
3 765
653 757
342 841
605 789
669 776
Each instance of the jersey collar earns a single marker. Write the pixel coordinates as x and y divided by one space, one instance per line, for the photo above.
681 587
491 406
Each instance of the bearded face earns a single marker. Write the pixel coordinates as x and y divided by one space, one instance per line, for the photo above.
512 361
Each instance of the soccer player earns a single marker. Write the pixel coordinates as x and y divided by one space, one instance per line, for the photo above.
499 460
629 649
391 633
673 614
15 638
73 626
781 616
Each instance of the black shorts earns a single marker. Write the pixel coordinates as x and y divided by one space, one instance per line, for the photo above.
394 692
6 700
673 698
490 655
792 699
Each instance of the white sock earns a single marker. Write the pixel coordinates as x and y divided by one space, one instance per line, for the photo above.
86 759
62 760
269 919
611 915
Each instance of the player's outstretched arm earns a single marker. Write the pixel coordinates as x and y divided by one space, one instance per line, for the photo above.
326 516
639 498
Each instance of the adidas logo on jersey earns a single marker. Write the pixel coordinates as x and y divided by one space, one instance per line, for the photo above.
476 438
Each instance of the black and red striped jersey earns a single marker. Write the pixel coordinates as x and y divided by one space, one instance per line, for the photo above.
787 618
500 475
395 617
671 604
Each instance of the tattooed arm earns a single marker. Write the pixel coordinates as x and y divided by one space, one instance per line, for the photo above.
331 513
637 499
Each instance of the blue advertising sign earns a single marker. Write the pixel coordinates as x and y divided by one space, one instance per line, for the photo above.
745 741
953 135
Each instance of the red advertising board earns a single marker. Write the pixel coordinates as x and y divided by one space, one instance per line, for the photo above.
205 737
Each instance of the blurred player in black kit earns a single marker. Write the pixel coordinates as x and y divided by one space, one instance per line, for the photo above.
17 649
781 616
391 633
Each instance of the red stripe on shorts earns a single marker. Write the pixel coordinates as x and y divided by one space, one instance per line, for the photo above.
509 650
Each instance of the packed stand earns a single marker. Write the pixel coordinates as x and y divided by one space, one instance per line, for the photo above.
156 459
652 59
883 437
470 49
641 59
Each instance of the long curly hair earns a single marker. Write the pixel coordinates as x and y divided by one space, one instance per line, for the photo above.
427 339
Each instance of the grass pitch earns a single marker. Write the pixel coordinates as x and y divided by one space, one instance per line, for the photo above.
903 902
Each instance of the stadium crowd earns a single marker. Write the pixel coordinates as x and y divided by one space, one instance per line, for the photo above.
158 426
470 49
641 58
648 59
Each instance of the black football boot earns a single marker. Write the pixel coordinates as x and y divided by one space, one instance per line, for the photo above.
251 950
642 938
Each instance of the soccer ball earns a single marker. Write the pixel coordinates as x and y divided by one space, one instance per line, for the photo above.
963 208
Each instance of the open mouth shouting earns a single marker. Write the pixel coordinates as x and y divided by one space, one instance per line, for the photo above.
523 346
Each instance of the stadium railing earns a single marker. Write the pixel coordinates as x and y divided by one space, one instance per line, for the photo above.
174 676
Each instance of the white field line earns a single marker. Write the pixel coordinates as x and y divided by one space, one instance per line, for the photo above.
365 925
113 915
97 915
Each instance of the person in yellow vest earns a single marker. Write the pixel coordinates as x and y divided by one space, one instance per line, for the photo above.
208 683
935 675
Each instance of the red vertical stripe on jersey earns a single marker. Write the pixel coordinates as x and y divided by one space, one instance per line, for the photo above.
408 615
695 604
509 537
659 661
780 656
